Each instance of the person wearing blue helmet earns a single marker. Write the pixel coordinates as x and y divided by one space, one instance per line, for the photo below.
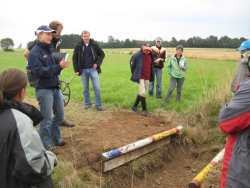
243 68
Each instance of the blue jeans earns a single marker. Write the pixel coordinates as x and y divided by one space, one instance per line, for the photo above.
158 76
50 100
93 75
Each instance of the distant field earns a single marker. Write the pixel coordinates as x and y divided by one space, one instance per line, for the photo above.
198 53
207 68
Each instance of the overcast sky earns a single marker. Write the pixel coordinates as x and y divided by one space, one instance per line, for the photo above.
132 19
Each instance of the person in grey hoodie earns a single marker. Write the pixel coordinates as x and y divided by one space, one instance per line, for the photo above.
243 68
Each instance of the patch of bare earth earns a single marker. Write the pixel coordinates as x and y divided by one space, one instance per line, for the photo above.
174 165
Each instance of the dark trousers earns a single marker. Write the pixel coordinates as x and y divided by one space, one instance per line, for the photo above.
173 82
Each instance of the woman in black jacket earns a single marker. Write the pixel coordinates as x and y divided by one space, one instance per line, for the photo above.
23 160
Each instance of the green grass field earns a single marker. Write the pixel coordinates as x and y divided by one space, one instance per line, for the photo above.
205 90
117 89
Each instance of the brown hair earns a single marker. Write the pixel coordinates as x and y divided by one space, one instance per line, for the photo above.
85 32
12 81
55 24
179 47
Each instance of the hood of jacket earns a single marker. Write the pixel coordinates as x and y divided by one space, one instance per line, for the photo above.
33 113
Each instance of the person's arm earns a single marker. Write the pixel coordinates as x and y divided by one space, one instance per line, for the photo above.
166 55
75 61
169 67
100 55
42 67
235 116
163 55
132 63
26 53
32 163
185 65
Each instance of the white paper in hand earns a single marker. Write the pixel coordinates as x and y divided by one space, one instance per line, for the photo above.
182 63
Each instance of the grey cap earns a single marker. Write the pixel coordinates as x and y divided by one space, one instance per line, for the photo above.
158 39
146 43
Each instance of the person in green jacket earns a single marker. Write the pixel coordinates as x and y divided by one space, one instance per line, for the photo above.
177 66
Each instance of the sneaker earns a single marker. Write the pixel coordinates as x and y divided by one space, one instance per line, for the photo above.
100 109
144 113
87 107
135 109
67 124
61 143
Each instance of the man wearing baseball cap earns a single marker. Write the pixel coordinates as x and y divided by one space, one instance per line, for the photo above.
141 64
243 68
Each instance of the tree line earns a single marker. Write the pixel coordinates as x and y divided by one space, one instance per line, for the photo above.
70 41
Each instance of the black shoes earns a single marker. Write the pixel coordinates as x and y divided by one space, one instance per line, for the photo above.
62 143
67 124
135 109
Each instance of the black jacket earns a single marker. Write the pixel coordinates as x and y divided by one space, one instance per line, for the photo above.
136 64
24 163
25 108
97 53
159 52
41 67
55 42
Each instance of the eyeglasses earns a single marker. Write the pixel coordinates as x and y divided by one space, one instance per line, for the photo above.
158 41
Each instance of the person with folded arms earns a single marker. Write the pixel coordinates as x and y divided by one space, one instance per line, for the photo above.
160 56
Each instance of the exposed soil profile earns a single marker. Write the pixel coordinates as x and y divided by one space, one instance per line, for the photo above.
174 165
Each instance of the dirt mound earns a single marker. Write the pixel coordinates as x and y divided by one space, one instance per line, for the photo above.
173 165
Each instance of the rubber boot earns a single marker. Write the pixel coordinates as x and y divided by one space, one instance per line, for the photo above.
144 106
137 100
